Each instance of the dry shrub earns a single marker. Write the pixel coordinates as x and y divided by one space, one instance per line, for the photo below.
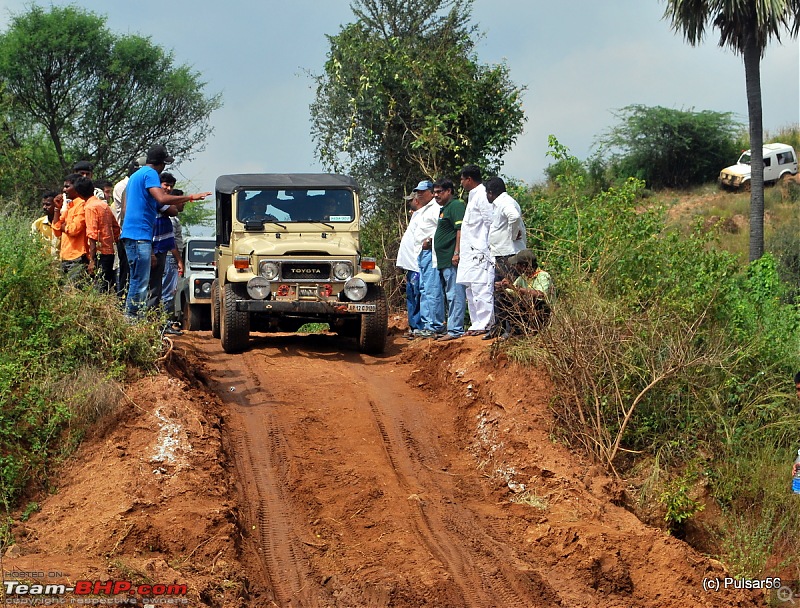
608 362
96 397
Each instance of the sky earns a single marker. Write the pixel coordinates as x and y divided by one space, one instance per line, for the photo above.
579 61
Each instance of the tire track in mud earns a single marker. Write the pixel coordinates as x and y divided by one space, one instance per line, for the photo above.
438 547
471 558
481 581
261 455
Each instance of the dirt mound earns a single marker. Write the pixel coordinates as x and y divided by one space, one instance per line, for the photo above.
564 510
149 503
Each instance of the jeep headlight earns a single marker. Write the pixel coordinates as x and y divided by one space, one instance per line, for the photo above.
202 288
258 288
269 270
355 289
342 271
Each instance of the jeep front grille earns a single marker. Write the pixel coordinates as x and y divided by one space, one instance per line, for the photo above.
308 271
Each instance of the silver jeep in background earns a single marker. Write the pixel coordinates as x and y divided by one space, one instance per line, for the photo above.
288 253
193 298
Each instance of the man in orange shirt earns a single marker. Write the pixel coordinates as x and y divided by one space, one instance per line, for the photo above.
71 227
102 230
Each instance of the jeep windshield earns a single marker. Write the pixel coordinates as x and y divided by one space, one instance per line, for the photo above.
329 206
201 252
744 159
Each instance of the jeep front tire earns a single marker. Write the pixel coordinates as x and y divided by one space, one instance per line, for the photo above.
374 325
235 324
215 308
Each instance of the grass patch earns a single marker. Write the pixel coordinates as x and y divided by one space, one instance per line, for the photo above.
63 353
532 500
313 328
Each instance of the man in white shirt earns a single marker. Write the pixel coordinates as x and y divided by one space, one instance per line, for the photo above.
408 260
431 293
476 267
507 233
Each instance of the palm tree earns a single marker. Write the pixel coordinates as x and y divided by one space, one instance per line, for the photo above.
746 26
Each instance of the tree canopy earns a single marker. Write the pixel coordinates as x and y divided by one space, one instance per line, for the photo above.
671 148
403 97
95 95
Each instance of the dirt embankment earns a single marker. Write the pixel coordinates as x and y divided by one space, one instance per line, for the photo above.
299 473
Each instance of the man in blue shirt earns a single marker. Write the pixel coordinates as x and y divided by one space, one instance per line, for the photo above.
143 196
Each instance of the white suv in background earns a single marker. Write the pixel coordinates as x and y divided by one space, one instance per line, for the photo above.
779 160
193 298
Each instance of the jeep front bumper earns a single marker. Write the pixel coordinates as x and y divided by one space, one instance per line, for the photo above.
301 307
730 181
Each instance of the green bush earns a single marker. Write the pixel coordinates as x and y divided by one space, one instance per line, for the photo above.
679 503
784 243
664 349
60 351
671 148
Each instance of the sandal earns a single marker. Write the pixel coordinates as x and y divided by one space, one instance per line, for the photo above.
475 332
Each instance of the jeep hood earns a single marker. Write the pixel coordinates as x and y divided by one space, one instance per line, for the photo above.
740 170
334 244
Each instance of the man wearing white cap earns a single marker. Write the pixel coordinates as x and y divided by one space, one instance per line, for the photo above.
408 260
431 294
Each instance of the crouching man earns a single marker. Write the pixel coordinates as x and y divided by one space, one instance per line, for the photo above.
524 305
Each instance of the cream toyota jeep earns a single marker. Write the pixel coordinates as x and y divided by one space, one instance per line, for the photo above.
287 254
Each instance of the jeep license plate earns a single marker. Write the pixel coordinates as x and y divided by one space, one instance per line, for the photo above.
355 307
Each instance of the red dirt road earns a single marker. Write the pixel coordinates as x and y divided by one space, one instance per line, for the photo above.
303 474
361 490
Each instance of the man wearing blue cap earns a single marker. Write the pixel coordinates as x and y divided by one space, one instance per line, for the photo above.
408 260
431 294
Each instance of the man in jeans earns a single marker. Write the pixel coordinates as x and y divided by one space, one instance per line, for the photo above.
431 295
163 245
407 259
447 242
143 195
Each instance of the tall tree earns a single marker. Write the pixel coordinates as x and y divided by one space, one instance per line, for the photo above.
403 97
746 26
99 96
28 162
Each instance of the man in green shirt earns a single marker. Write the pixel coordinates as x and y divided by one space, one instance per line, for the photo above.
447 244
525 303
